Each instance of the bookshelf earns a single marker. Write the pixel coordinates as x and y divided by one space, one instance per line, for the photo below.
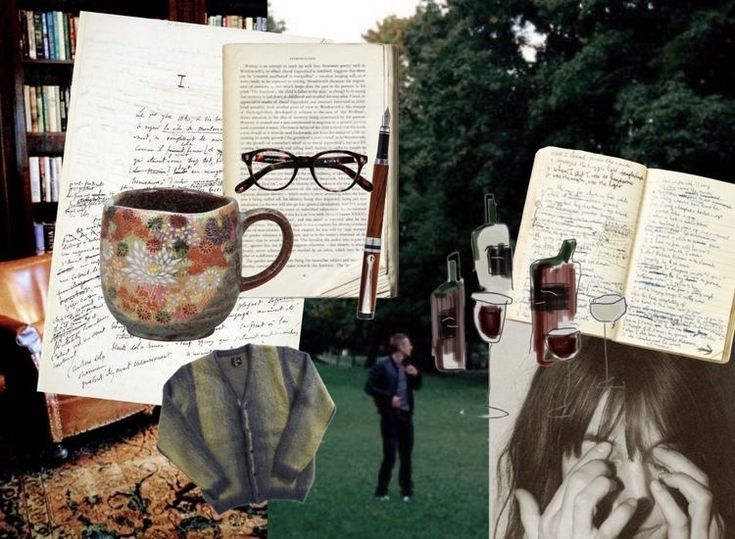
20 207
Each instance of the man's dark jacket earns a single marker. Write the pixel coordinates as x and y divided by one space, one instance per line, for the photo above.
382 383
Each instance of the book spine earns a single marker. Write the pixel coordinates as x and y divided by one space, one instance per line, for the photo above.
27 107
34 109
64 107
39 106
38 35
38 236
38 31
34 175
49 231
31 33
51 23
50 111
45 179
44 32
55 171
73 34
67 36
57 101
23 25
60 35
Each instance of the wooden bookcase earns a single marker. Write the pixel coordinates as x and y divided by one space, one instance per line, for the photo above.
17 211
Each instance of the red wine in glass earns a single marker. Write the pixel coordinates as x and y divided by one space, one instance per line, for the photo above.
564 343
491 320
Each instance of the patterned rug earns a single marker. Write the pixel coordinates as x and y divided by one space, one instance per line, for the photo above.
113 484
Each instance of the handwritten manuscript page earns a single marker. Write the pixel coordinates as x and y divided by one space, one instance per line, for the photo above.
305 100
682 275
145 112
584 196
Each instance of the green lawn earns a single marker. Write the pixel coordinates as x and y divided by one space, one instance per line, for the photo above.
450 468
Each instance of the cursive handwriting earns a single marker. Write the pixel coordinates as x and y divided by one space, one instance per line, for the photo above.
681 288
593 199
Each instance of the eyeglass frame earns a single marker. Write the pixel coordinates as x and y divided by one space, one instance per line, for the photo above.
304 161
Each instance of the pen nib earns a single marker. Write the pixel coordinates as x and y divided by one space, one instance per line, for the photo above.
386 117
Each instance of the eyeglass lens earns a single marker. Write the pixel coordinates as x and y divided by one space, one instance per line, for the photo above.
333 170
281 169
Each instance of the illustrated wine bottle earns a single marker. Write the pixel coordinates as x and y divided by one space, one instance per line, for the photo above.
492 252
447 319
553 296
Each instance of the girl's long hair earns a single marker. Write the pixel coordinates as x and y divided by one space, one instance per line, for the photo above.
690 402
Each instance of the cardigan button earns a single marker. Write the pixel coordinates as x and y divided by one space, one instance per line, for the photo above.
236 361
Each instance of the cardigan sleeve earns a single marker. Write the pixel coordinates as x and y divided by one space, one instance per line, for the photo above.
311 411
183 445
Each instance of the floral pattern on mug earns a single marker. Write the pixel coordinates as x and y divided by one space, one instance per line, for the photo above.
165 269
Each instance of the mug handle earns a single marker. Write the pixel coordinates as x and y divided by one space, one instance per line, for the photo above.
266 214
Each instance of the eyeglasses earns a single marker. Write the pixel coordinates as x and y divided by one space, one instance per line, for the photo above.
333 170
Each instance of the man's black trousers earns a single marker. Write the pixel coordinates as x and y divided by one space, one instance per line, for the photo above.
396 428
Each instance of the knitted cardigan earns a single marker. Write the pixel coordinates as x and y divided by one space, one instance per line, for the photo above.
245 424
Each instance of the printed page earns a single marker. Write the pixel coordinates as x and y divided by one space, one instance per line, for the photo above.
145 112
682 279
584 196
307 99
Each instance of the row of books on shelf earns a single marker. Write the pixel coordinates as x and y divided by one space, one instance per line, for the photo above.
238 21
46 108
44 236
44 173
48 35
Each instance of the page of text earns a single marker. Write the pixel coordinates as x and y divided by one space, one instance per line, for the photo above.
682 279
304 100
584 196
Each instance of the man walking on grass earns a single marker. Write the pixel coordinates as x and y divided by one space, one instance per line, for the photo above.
391 382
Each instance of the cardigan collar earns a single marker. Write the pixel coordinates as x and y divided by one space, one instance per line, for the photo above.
235 368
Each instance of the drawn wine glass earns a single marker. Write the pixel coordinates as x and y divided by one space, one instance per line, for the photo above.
563 344
608 309
489 317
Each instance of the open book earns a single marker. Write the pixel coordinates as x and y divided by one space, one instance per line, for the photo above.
664 240
305 99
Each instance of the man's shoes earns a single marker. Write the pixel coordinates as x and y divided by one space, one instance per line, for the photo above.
407 498
383 498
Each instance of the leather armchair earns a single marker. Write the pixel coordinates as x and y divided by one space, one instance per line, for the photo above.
30 417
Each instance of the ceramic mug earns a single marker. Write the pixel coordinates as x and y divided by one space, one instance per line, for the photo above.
170 260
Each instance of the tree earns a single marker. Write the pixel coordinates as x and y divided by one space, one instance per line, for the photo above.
391 31
644 80
273 25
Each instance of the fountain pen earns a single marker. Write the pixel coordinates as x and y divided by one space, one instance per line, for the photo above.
371 255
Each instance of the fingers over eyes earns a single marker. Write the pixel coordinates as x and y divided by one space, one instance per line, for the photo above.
677 462
583 488
699 499
618 519
585 503
677 521
595 454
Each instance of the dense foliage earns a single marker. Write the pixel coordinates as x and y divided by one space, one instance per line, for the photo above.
649 81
